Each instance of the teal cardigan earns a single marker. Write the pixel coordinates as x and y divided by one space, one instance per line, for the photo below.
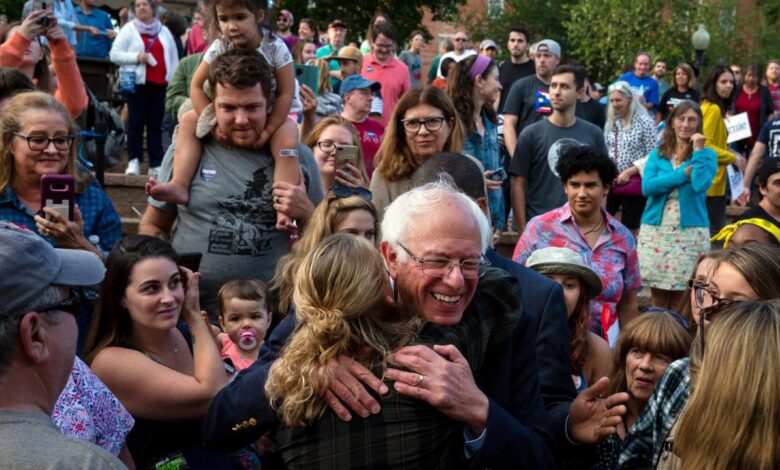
660 178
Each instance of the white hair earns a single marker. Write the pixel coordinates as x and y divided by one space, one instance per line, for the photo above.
634 106
424 201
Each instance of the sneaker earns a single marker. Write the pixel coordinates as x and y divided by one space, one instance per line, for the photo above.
153 171
133 167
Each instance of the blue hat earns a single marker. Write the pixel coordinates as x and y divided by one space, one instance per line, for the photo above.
357 82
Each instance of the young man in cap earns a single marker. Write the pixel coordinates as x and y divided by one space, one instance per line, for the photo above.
380 66
350 61
37 347
488 49
357 93
284 21
337 33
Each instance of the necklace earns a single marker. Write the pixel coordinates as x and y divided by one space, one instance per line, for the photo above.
595 227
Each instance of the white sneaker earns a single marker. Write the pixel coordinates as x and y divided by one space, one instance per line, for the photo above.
153 171
133 167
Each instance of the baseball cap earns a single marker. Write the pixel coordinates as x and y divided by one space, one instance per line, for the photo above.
29 265
488 43
337 24
767 169
356 82
287 14
552 47
347 53
556 260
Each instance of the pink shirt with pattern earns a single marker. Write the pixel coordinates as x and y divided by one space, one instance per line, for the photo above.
614 257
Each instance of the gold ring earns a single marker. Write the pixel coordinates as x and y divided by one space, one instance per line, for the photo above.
420 380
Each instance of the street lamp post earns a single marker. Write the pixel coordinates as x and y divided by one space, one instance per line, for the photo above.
700 41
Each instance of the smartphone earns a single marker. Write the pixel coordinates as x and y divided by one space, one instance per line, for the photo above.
191 261
57 192
42 5
346 154
498 175
308 75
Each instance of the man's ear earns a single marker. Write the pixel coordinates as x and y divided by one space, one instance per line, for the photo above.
391 258
482 203
35 336
260 16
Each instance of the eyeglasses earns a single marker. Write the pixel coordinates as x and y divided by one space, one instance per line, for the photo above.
342 191
70 305
442 267
433 124
41 142
700 289
326 146
383 46
461 39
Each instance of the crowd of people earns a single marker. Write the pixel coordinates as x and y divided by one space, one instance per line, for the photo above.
317 279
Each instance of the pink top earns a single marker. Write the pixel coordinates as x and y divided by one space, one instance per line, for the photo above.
234 353
394 78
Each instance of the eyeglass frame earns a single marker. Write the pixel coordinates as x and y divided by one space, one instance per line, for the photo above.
483 264
318 144
423 123
71 304
49 140
699 288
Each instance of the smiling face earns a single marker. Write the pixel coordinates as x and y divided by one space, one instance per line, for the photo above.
641 66
619 103
154 294
239 26
773 73
241 114
245 322
338 135
308 52
685 124
585 193
304 32
643 371
359 222
703 274
489 86
425 143
382 48
681 79
33 164
445 233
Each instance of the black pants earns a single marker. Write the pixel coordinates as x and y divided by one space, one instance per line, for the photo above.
716 210
631 208
145 108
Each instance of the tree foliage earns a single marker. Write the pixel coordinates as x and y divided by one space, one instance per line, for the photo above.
12 8
406 16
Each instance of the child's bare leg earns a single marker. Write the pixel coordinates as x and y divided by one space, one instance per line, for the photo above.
287 168
186 158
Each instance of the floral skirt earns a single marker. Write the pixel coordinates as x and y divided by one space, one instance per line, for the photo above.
668 252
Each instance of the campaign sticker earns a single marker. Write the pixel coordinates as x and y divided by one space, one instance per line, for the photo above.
208 172
369 69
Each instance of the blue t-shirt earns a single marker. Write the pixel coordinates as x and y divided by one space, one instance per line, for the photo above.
646 86
770 136
94 46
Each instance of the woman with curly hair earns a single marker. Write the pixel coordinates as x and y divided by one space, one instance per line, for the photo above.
474 87
424 123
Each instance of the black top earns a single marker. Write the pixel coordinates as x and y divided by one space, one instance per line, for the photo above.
758 212
672 98
594 113
509 73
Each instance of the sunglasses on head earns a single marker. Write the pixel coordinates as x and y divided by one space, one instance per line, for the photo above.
343 191
70 305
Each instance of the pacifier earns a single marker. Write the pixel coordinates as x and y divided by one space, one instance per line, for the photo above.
247 340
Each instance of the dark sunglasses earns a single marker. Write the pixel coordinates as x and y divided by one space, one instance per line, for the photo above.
70 305
343 191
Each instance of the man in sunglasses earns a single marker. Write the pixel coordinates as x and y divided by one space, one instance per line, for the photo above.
37 347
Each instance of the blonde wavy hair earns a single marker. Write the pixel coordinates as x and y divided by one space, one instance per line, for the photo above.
328 215
734 421
14 114
342 307
394 160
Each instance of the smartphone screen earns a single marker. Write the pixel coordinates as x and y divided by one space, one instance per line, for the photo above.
307 75
190 261
346 154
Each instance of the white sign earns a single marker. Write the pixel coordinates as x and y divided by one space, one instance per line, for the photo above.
736 182
738 127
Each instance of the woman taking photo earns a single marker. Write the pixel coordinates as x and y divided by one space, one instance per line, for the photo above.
754 99
424 123
716 98
645 349
138 349
474 87
21 49
630 135
674 231
746 273
304 51
683 88
590 354
147 55
323 139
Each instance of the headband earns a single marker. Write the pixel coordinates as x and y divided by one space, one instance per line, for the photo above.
478 67
728 231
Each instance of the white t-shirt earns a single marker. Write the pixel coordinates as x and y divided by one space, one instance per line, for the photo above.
272 49
456 57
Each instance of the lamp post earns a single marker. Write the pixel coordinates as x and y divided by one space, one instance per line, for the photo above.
700 41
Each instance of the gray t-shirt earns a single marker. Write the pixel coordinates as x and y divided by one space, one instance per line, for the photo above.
539 147
31 441
230 216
